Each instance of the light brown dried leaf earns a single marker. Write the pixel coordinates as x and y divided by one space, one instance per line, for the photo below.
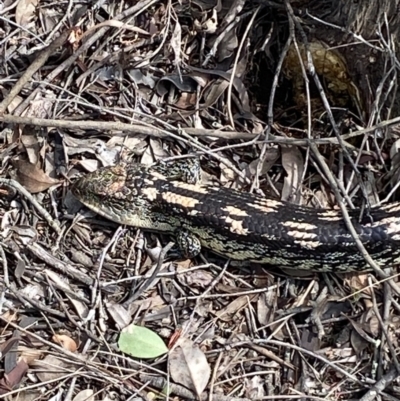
358 282
32 177
254 387
27 395
30 354
51 368
188 366
266 306
293 163
121 316
85 395
235 306
176 41
25 11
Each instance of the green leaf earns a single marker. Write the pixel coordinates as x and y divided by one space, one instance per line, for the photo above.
141 342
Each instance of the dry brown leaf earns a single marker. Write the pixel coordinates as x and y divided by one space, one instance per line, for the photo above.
66 342
30 354
188 366
85 395
266 306
121 316
176 41
235 306
194 279
357 342
293 163
254 388
25 11
186 101
27 395
32 177
214 92
14 104
51 368
12 379
358 282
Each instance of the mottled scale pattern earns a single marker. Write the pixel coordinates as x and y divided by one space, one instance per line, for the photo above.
239 225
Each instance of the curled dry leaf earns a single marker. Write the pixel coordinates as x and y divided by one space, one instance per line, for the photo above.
32 177
188 366
66 342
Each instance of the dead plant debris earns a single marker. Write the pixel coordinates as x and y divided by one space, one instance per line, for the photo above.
88 312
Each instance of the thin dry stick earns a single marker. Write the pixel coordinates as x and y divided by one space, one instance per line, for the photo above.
14 184
199 132
384 328
38 63
379 386
149 282
333 365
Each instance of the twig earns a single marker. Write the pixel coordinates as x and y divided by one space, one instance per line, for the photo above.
149 282
38 63
14 184
65 268
380 385
384 329
199 132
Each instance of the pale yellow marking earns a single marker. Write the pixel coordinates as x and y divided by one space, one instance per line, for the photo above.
329 213
235 211
323 217
148 182
391 207
299 226
268 206
273 203
302 235
180 200
308 244
158 175
236 226
190 187
151 193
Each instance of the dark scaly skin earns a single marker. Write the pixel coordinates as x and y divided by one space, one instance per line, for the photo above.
239 225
